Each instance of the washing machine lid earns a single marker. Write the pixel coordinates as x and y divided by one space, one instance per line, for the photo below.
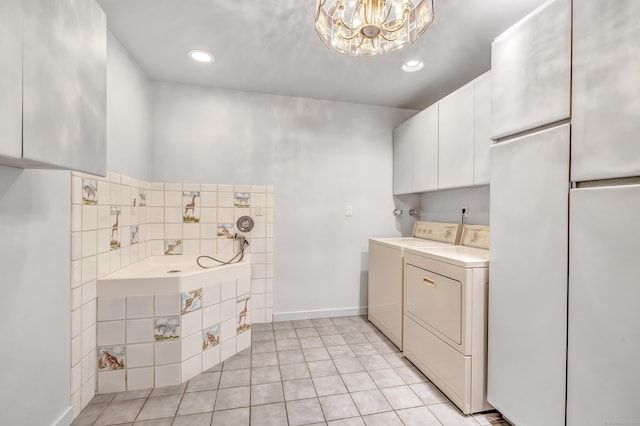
406 242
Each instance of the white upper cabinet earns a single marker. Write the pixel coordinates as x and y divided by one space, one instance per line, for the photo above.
53 59
455 167
531 70
425 150
606 90
64 84
10 78
482 130
402 154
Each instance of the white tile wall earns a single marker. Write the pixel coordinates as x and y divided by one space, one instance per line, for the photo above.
191 323
140 306
140 331
167 352
140 378
140 355
167 375
167 305
92 258
111 333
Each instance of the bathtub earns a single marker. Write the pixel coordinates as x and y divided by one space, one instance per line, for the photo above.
170 274
163 320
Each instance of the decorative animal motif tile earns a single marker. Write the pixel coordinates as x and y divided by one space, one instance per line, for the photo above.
115 227
172 247
210 337
190 301
142 198
241 199
166 328
89 191
111 357
135 234
243 314
225 230
190 202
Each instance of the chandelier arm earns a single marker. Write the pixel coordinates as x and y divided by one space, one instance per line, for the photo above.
389 39
345 25
405 19
387 15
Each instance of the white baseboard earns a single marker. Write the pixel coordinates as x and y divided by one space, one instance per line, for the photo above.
322 313
65 418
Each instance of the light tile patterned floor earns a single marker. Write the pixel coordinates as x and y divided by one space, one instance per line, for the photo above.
330 371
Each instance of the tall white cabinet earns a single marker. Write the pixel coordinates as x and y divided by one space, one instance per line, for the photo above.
528 277
531 83
531 66
603 377
606 90
10 78
604 340
544 326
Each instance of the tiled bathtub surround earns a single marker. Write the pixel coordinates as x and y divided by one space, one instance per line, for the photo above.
155 340
119 220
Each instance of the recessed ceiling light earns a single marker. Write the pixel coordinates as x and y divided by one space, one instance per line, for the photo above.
412 65
201 56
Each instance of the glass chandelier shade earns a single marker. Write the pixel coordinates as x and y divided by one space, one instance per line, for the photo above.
371 27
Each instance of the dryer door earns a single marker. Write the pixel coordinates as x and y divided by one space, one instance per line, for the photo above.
435 301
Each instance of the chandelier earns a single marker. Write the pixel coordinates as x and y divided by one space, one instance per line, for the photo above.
371 27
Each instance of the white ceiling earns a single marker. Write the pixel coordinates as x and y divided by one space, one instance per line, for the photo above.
270 46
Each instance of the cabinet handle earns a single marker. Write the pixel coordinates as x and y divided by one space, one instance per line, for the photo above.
427 281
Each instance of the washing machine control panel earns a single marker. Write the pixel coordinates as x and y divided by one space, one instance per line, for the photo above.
437 231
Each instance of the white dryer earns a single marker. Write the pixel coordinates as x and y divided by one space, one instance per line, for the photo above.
445 316
386 272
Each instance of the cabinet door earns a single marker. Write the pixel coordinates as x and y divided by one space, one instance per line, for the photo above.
528 277
482 130
531 71
11 78
425 150
402 153
455 153
64 84
606 90
603 377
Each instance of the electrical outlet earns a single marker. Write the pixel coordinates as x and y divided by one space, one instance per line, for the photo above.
465 212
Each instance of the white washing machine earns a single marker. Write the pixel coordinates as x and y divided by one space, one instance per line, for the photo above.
386 272
445 316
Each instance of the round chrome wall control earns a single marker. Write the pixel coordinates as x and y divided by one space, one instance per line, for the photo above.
244 224
397 212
